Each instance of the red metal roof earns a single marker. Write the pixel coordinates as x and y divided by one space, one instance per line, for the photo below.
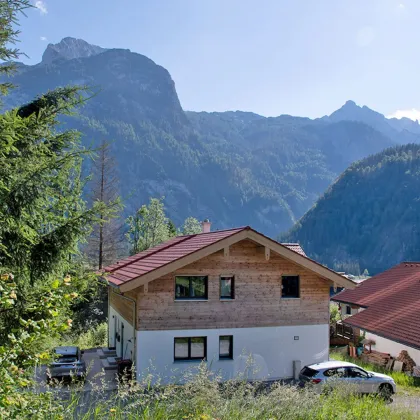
295 247
392 302
137 265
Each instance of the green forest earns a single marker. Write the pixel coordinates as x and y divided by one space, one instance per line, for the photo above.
370 217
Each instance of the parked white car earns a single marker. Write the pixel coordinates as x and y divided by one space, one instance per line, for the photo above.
335 372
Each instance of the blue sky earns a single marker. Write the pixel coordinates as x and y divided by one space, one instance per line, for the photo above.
272 57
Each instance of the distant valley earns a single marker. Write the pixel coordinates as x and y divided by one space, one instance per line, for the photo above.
236 168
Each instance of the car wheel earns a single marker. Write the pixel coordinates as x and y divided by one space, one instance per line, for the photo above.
386 391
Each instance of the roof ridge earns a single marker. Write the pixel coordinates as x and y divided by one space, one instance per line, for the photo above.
152 253
216 231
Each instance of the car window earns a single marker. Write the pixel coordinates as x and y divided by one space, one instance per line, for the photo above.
356 373
330 372
308 372
66 359
336 372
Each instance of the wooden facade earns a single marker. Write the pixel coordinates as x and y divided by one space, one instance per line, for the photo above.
123 306
257 303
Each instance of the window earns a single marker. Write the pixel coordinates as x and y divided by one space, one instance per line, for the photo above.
227 287
356 373
336 373
290 287
308 372
226 347
190 348
191 287
348 310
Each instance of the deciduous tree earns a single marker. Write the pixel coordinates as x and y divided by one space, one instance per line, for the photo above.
191 226
148 227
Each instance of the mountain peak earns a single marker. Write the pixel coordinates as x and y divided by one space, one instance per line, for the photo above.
69 48
350 103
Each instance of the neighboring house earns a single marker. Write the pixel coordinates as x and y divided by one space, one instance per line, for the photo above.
387 308
221 296
355 279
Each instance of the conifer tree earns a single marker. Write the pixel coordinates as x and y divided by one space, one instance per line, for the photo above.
172 229
43 219
106 241
43 216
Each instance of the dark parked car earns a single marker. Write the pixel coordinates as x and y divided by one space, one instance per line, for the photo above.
67 364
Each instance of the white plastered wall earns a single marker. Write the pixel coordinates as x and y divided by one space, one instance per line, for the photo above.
385 345
273 350
344 313
125 345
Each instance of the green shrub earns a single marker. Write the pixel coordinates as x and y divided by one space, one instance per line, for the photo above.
96 337
334 312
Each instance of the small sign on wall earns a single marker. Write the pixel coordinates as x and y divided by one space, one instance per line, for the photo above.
296 337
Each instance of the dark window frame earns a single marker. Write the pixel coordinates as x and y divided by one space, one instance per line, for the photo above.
232 290
230 355
298 286
181 359
190 276
348 310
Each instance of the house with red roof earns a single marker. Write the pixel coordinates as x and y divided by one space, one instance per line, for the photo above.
224 297
386 307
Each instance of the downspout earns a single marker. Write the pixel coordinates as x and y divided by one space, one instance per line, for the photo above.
109 325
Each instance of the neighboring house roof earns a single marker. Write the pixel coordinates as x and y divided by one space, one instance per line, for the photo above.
178 252
294 247
392 299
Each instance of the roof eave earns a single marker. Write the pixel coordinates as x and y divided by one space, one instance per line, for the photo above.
348 302
379 334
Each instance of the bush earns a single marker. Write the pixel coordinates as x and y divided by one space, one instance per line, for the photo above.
95 337
334 312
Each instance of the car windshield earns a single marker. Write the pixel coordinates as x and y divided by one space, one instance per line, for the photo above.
308 372
66 359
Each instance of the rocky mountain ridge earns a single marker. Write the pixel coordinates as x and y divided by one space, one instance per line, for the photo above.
236 168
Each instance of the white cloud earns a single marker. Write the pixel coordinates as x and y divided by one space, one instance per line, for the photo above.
41 6
43 38
401 6
413 114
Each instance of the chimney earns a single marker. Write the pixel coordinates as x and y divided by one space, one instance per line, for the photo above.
206 225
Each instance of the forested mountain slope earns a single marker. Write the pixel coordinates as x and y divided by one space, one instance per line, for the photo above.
236 168
370 217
